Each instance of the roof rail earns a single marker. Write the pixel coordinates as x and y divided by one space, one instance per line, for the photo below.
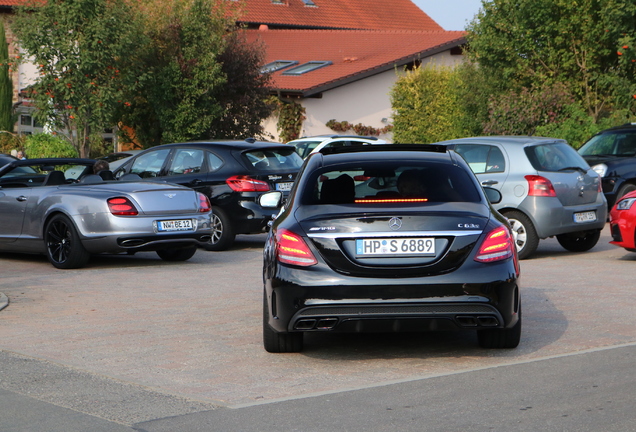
437 148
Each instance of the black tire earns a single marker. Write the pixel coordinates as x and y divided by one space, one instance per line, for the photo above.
222 231
501 338
275 342
624 190
579 241
63 246
525 235
177 254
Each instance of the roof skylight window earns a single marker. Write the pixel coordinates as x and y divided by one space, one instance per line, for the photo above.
309 3
307 67
277 65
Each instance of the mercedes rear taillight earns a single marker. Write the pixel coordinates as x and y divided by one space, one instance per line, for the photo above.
497 246
204 203
540 186
243 183
292 249
122 206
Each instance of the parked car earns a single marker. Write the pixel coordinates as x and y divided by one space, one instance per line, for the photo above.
622 221
5 159
548 189
117 159
51 207
307 145
237 177
612 154
389 238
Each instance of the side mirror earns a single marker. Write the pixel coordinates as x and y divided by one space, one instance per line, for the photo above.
493 195
271 199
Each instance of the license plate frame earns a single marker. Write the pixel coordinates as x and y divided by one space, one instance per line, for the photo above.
172 225
583 217
395 247
284 186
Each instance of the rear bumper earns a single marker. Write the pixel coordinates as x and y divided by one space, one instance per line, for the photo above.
350 304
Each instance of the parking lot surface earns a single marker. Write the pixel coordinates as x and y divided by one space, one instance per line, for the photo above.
177 338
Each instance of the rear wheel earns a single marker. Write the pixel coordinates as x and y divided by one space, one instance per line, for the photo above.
501 338
579 241
222 231
525 235
177 254
275 342
624 190
63 246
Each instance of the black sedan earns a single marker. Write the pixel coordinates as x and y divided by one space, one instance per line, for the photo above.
385 239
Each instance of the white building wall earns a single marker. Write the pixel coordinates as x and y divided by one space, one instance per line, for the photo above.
366 101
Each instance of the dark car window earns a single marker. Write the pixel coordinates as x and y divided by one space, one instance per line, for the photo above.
149 164
186 161
554 157
304 148
271 160
619 143
385 185
482 158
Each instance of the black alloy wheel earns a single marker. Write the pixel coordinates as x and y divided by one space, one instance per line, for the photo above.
579 241
183 254
275 342
63 246
222 231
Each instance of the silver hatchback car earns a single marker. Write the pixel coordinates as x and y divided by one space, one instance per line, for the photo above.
548 189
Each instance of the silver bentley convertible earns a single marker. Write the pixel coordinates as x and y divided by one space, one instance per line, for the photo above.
60 208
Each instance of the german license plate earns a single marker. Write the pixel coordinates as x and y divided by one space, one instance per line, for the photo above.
175 225
589 216
284 186
395 247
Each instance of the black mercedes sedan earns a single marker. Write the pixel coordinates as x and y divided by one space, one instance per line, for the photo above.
389 238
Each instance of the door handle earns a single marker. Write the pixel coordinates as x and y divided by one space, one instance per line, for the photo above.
489 182
21 198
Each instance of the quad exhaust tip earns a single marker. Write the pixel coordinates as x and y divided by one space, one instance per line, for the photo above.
477 321
316 324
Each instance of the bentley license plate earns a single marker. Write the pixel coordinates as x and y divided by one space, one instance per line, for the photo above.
395 247
175 225
588 216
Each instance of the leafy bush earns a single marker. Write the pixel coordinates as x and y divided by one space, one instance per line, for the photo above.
45 145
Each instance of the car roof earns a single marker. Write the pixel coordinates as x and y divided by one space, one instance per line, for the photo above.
626 126
327 137
337 155
236 144
521 140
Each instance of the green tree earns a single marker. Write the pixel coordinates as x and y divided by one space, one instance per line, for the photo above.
46 146
7 118
85 51
529 43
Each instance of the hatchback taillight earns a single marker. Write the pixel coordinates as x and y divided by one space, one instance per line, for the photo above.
498 245
540 186
204 203
243 183
121 206
292 249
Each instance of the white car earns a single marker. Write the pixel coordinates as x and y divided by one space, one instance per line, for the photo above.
306 146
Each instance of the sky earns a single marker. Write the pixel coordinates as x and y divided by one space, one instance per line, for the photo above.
450 14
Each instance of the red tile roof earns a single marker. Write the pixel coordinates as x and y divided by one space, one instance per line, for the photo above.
338 14
354 54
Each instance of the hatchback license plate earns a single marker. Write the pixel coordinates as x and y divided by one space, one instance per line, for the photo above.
285 186
175 225
395 247
589 216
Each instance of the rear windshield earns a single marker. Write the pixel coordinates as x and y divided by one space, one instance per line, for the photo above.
555 157
393 184
304 148
619 143
272 160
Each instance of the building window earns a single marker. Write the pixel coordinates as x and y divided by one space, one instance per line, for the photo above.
306 67
277 65
26 120
309 3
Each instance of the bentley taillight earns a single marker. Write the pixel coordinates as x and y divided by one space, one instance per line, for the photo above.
121 206
204 203
497 246
243 183
292 249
